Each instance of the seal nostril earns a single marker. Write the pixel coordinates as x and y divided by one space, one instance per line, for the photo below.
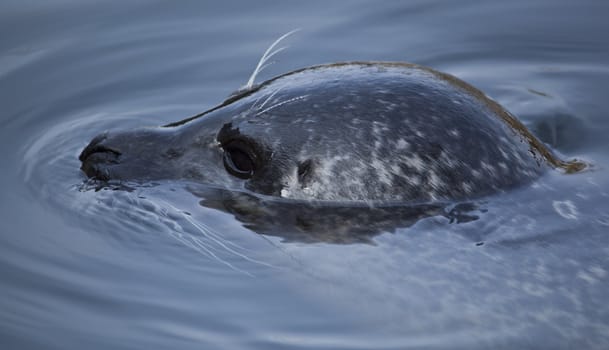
91 146
96 146
101 148
96 158
88 151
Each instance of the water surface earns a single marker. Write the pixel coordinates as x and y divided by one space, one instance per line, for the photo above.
152 268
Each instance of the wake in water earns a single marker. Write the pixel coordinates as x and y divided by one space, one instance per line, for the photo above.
149 211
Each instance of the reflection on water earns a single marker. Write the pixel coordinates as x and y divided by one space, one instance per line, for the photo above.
160 267
338 223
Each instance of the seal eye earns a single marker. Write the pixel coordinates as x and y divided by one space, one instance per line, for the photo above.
238 162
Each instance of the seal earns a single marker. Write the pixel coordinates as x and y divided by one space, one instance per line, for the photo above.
351 131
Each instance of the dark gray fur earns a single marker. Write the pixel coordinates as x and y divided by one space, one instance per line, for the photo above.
339 132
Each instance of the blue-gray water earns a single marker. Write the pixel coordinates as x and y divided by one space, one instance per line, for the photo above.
132 270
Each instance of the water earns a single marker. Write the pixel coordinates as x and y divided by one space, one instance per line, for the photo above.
154 269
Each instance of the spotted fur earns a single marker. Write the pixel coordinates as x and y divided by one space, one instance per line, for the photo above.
359 131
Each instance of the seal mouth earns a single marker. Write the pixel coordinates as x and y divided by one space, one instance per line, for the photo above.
96 158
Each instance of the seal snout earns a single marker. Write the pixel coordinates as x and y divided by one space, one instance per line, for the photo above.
96 156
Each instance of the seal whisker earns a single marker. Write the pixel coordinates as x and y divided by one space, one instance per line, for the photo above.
221 243
210 234
215 235
254 107
294 99
222 261
197 244
267 54
271 55
269 98
203 249
266 65
178 232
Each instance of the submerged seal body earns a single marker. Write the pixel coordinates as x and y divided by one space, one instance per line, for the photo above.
356 131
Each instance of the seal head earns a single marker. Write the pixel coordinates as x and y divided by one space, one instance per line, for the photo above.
355 131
